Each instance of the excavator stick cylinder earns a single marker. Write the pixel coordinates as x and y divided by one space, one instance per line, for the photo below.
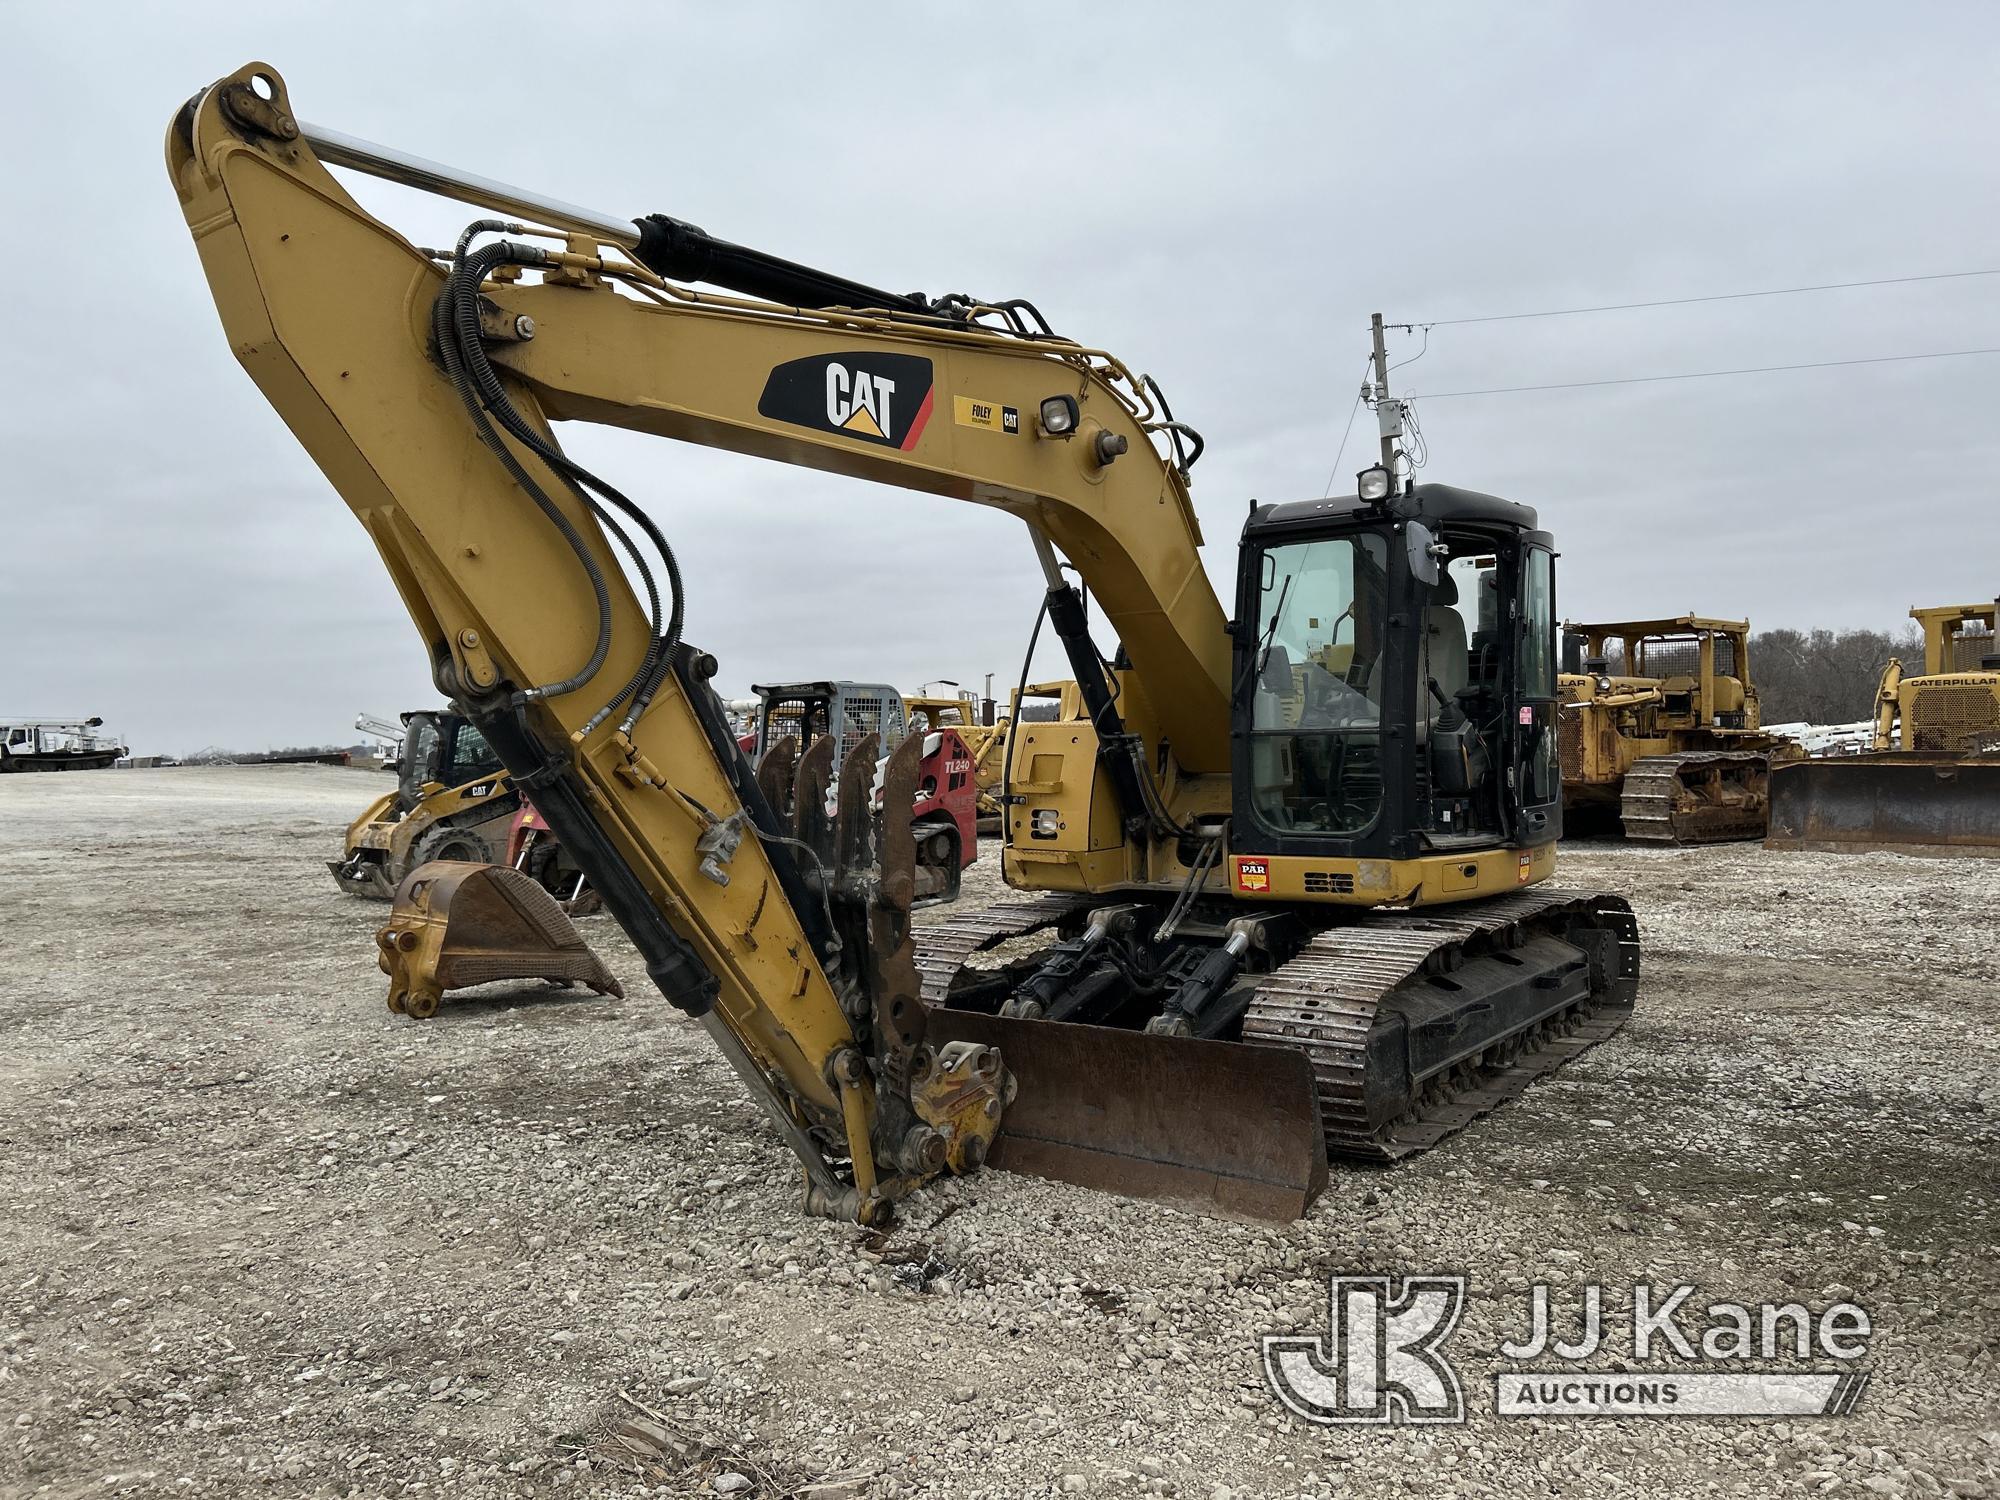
1224 1128
1903 801
456 924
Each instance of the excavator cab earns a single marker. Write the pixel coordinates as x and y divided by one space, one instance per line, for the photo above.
1396 684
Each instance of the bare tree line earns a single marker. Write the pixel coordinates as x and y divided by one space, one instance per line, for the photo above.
1826 676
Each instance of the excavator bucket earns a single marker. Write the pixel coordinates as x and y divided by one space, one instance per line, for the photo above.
1227 1128
1905 801
457 924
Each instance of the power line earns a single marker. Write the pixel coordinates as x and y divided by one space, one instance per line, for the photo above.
1780 291
1824 364
1352 412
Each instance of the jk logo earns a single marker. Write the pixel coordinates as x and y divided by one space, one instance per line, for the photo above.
1380 1359
876 398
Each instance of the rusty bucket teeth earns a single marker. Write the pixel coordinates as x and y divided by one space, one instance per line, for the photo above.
457 924
892 961
776 772
854 820
810 824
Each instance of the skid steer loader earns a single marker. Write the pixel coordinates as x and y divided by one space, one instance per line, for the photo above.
452 800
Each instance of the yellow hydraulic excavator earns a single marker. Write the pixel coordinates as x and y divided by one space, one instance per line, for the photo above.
1291 868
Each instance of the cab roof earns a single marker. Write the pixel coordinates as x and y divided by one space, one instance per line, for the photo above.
1430 503
1674 625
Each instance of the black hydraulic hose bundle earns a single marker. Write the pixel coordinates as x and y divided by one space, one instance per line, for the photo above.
1120 753
455 325
1014 721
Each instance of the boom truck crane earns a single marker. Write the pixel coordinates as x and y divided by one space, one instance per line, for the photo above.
1293 864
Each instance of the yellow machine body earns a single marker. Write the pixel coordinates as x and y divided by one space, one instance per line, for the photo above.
1954 705
805 972
1671 742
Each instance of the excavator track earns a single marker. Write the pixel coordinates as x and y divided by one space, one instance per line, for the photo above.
943 947
1415 1023
1358 998
1698 797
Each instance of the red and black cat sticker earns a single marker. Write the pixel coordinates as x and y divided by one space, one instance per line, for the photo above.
874 398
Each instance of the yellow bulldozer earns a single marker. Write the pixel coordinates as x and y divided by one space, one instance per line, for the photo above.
1931 785
1290 872
1661 731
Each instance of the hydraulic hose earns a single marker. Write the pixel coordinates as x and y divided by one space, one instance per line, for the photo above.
456 322
449 331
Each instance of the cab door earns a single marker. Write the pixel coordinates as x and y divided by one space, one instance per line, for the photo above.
1536 768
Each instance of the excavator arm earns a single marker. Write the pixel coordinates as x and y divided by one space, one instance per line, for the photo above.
424 385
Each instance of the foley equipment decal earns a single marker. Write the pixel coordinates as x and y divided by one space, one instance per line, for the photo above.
969 411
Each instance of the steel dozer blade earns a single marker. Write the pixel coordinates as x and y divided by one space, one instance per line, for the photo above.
1220 1127
457 924
1909 802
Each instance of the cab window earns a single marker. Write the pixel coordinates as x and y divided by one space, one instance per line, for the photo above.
1316 685
471 757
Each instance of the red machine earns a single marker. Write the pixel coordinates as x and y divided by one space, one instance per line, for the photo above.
946 811
945 814
532 849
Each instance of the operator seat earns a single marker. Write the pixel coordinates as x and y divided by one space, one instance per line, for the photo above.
1446 658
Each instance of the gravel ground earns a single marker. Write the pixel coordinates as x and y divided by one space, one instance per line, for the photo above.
262 1237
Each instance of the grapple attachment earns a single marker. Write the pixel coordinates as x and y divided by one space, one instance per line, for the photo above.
457 924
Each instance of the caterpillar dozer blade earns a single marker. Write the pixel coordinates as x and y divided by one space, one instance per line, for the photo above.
1220 1127
456 924
1904 801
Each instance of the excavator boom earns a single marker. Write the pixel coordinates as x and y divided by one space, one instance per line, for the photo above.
424 385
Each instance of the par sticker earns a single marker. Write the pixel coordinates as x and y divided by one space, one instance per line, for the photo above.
1252 874
1521 870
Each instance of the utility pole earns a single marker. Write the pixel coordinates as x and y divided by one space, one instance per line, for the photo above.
1388 414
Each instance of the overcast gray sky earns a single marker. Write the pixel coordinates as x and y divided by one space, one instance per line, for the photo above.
1221 195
